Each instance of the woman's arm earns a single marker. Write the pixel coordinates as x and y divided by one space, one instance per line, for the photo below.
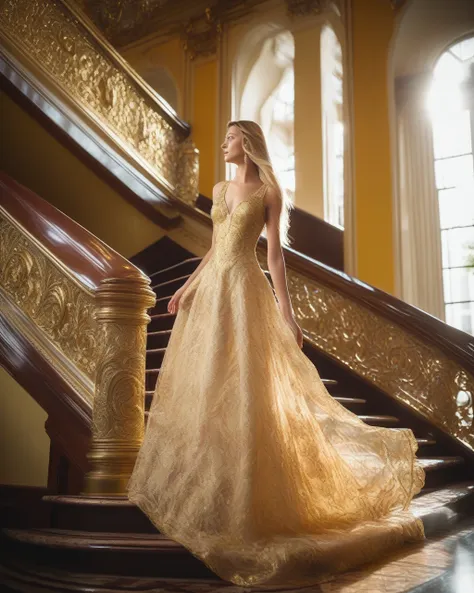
174 301
276 261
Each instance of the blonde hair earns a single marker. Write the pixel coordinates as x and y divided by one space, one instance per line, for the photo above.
255 147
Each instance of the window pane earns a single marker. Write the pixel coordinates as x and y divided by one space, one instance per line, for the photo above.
455 246
458 285
464 50
456 207
452 134
461 316
453 172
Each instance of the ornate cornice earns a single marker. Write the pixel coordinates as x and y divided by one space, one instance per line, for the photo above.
201 34
306 7
198 21
396 4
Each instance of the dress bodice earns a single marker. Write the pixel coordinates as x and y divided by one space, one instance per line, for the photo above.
237 232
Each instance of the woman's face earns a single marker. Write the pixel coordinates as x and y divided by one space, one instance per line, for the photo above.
232 146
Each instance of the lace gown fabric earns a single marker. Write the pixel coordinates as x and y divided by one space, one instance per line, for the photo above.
247 460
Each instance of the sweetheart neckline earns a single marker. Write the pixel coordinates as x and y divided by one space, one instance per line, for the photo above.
224 193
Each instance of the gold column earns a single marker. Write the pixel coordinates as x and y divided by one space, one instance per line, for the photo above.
118 409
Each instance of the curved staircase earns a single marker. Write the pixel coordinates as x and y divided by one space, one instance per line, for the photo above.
108 535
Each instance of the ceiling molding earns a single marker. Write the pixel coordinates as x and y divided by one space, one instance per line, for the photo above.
396 4
198 22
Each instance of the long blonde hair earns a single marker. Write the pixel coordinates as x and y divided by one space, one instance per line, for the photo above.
255 147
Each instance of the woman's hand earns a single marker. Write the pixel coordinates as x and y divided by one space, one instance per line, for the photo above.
297 331
173 305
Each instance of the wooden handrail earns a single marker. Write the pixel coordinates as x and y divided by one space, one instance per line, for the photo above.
149 94
430 329
85 256
80 309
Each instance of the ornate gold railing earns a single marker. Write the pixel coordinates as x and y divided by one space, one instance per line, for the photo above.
53 41
413 357
84 309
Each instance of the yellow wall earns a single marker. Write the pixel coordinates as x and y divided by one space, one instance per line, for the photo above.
24 444
37 160
34 158
168 55
373 23
204 122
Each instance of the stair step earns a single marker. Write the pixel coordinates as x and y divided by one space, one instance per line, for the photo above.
347 401
379 419
175 270
169 287
155 554
425 442
436 463
171 280
161 321
107 552
442 508
158 339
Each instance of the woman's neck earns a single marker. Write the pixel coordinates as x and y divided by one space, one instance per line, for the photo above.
247 173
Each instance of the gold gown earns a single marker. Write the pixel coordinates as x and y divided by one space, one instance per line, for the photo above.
247 460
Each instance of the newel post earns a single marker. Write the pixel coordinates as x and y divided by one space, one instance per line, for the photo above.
119 398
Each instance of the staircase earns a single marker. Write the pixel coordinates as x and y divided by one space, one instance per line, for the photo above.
108 535
80 538
372 406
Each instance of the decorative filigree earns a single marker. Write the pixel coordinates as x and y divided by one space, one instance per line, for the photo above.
201 34
305 7
119 399
397 3
54 302
187 186
68 53
121 16
120 388
415 373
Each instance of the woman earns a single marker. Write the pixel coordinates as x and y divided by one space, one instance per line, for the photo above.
247 460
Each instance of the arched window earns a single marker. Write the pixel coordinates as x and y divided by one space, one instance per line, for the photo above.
268 98
333 127
451 103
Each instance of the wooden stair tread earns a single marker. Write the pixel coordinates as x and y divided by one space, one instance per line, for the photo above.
442 496
170 281
174 266
72 539
430 464
379 418
424 442
160 315
350 400
159 332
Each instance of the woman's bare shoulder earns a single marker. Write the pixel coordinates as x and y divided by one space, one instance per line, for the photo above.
217 189
273 197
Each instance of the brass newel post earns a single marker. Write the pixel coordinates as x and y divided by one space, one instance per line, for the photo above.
118 411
